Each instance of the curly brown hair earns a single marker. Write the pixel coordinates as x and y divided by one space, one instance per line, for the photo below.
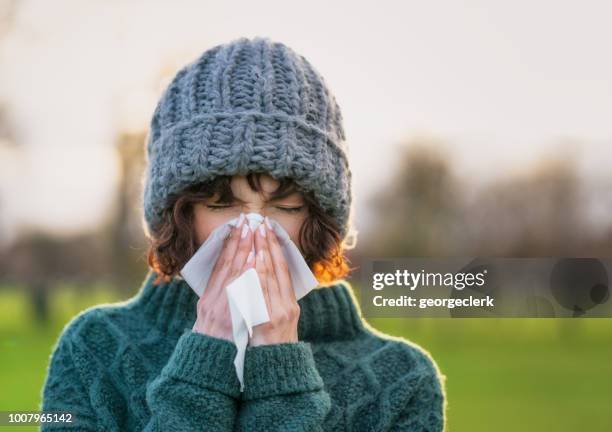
174 242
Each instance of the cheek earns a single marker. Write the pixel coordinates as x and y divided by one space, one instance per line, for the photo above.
291 224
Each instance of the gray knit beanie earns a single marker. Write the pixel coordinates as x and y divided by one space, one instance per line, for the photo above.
251 105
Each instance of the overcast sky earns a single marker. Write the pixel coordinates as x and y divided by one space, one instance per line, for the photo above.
501 82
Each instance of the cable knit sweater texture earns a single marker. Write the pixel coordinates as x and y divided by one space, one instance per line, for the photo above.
137 365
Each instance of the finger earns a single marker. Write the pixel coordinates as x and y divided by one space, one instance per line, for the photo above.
229 247
219 263
223 263
250 261
261 269
273 289
244 247
279 262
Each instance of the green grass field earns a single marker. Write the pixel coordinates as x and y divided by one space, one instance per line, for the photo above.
502 374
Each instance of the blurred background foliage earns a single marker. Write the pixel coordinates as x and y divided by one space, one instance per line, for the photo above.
502 374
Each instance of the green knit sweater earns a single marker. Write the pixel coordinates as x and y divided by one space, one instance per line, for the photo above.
137 365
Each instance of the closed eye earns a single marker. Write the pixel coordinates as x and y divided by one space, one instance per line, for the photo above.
218 207
290 209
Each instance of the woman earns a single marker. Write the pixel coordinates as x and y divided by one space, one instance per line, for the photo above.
250 126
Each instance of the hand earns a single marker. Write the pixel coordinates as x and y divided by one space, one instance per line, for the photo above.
275 281
213 315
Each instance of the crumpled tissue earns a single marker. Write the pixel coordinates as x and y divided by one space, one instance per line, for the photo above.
246 300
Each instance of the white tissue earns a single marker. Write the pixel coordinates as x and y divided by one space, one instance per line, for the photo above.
245 296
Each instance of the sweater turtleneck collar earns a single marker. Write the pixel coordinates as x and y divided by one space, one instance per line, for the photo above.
326 313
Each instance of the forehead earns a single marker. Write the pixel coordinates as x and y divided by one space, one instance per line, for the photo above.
240 185
241 189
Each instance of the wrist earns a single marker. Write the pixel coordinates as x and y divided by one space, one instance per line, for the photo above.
214 331
265 334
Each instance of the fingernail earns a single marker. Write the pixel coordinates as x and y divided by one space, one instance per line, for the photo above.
262 229
241 219
250 258
245 230
267 222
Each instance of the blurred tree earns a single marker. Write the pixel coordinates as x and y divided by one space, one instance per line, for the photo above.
534 213
425 210
39 260
8 144
418 210
124 231
112 253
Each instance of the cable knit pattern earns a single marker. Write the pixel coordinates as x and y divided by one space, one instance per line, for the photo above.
137 365
246 106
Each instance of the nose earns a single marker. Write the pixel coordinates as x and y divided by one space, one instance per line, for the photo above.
253 208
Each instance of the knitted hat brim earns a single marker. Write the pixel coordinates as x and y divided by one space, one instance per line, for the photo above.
210 145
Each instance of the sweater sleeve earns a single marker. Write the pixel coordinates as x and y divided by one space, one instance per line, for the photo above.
196 390
283 390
